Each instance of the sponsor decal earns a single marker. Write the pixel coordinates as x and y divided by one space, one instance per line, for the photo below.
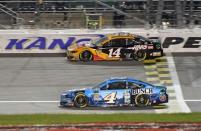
150 47
156 54
191 42
40 43
142 91
96 97
138 47
162 98
126 95
46 43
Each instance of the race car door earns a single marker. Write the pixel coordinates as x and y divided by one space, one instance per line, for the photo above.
113 48
115 93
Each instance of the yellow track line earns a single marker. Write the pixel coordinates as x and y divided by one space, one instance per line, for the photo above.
152 73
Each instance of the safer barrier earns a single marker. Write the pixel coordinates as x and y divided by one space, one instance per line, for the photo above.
56 41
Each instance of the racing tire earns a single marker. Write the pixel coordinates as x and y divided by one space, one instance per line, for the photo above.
139 55
86 56
80 100
141 100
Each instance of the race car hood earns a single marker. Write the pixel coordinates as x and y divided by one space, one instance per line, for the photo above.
80 44
76 90
72 47
161 88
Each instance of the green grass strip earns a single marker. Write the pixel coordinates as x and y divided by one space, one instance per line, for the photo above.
46 119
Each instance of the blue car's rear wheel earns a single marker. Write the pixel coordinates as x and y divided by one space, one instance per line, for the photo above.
80 100
141 100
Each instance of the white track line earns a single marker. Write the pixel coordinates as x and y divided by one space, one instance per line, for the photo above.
176 83
191 100
29 101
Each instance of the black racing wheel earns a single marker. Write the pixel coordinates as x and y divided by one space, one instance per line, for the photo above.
80 100
141 100
139 55
86 56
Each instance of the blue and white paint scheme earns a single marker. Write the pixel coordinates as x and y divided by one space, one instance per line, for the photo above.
119 91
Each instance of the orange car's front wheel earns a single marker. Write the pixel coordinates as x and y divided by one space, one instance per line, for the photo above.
86 56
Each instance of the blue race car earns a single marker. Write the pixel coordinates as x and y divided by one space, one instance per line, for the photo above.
116 92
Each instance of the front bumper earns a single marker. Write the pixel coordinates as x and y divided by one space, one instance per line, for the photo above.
162 98
71 56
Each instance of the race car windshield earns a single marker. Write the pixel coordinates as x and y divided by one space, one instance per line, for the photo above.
99 40
146 83
143 38
99 85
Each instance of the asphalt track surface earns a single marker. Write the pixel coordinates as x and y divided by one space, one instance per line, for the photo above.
34 84
189 72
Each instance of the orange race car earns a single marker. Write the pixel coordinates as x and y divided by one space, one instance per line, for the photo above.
118 46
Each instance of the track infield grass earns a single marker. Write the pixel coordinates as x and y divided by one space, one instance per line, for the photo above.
48 119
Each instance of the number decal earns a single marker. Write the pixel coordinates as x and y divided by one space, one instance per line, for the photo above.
115 53
110 98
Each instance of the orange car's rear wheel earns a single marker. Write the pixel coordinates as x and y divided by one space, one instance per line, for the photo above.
86 56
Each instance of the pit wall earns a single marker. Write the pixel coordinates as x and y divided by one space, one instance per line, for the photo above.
56 41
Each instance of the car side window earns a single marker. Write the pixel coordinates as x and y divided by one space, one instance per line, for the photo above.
141 40
119 42
133 85
104 87
117 85
130 43
138 40
107 44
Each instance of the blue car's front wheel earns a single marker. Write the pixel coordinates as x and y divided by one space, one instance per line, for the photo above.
80 100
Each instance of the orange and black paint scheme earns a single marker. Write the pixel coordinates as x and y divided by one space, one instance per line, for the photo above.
117 46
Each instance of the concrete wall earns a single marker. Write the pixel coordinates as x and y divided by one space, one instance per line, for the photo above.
56 41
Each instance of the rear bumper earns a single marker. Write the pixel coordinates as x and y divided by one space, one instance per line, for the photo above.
155 53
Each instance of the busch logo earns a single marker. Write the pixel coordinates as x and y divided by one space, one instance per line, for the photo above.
142 91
